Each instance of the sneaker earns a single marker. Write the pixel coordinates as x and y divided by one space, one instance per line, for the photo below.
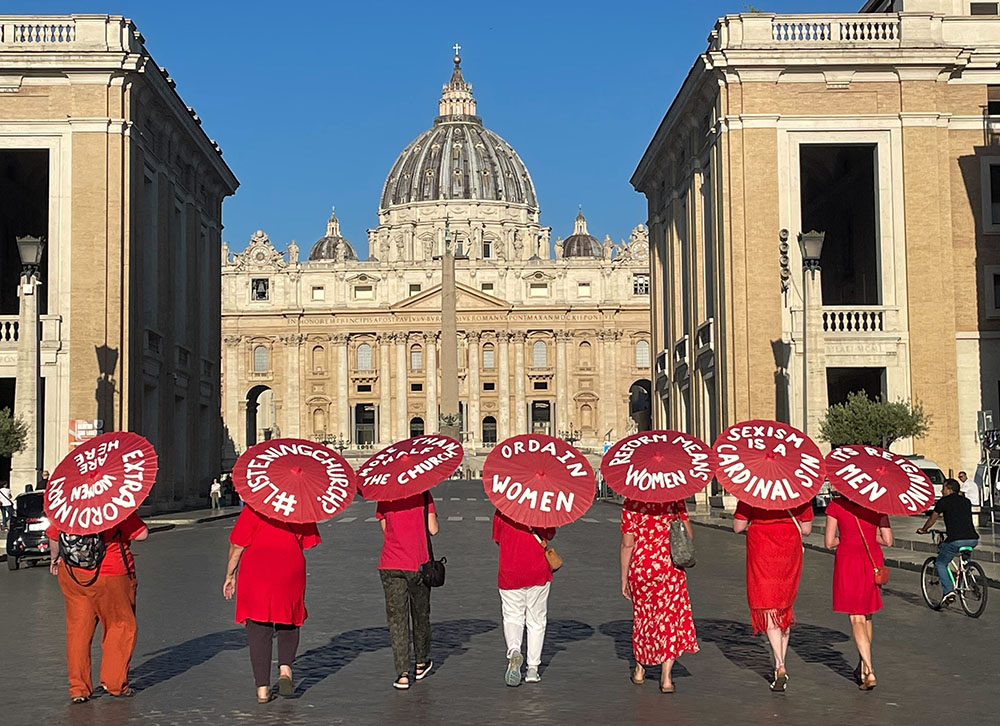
513 675
531 675
948 599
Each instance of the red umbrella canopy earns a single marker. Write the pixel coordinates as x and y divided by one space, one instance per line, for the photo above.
769 464
879 480
409 467
658 466
294 480
100 483
539 480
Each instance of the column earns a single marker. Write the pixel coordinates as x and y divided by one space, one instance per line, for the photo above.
402 367
611 384
430 383
475 417
231 402
385 392
342 381
24 469
293 385
503 386
563 415
815 352
520 411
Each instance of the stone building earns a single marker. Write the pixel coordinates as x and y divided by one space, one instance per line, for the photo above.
878 128
552 337
100 155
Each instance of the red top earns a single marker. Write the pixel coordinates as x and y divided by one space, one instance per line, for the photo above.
404 544
271 580
522 557
757 515
113 564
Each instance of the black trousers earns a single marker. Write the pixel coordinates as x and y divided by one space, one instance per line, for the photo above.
259 637
407 598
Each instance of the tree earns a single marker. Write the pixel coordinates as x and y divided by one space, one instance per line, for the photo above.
860 420
13 434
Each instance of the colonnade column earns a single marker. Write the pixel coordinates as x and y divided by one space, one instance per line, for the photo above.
343 386
402 420
293 385
475 423
563 417
430 383
503 386
610 380
520 413
605 416
385 392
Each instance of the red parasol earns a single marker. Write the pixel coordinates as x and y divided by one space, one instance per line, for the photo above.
769 464
100 483
539 480
409 467
658 466
294 480
879 480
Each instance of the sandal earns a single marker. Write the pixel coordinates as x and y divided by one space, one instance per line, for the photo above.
399 683
286 688
76 700
267 699
666 689
868 684
423 670
780 681
637 675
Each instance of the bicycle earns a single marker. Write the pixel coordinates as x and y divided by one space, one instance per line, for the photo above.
967 577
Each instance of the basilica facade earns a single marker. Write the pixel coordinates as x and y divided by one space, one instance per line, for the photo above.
553 336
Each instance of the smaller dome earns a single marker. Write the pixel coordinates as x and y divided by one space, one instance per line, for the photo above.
332 246
581 243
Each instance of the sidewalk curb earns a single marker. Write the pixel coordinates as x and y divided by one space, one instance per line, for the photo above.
156 524
891 561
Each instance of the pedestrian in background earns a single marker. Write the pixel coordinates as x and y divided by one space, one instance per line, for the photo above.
215 493
969 489
857 534
105 595
662 625
6 503
524 577
774 569
406 525
266 572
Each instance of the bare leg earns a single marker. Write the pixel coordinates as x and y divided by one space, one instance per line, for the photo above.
778 641
665 680
861 628
784 644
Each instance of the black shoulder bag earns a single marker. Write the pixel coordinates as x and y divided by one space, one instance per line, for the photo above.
431 571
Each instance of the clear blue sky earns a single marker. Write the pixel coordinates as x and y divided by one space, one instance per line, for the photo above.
312 101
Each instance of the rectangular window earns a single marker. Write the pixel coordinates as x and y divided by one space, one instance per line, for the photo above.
583 289
983 9
414 288
319 293
489 386
640 283
991 283
538 289
993 100
487 249
995 193
416 387
259 289
486 287
489 358
540 386
416 359
364 292
364 388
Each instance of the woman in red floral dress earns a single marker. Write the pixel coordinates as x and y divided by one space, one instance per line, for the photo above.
662 626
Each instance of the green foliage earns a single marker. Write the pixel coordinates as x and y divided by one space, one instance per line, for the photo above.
13 434
748 8
877 423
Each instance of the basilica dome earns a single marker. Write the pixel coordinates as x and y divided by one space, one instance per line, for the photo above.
581 243
332 246
458 158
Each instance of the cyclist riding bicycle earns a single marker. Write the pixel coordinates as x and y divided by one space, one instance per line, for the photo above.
957 512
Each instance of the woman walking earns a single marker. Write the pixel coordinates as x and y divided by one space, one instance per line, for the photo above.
662 626
774 568
267 573
406 526
856 533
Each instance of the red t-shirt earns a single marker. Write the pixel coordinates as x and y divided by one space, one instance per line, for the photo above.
758 515
404 544
522 557
113 564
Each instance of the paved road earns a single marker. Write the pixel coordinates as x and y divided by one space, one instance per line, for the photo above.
191 661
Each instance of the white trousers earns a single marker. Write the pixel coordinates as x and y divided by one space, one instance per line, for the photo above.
527 606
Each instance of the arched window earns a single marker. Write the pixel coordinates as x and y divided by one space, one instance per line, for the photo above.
642 354
489 357
319 358
539 354
416 427
319 421
489 430
260 362
587 416
416 358
586 355
364 357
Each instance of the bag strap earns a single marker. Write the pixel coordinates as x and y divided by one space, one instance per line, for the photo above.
538 539
130 571
427 526
871 559
797 524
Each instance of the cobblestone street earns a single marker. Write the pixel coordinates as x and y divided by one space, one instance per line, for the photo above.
191 663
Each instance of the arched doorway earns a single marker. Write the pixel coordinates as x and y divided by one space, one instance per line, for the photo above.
416 427
489 430
640 404
260 415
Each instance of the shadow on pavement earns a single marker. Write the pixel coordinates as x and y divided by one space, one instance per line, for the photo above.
176 659
620 631
907 597
812 643
558 633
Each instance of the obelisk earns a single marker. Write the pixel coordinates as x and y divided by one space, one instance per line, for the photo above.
450 421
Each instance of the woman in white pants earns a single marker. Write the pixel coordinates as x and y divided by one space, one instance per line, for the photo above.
523 577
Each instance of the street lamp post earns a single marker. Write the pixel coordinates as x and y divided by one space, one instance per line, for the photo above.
26 464
570 436
811 246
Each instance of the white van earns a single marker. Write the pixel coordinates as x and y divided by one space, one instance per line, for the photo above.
933 472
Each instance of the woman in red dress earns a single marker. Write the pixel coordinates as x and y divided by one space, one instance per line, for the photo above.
856 533
267 573
662 626
774 568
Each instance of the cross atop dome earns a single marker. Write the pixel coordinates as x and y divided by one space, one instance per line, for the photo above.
456 95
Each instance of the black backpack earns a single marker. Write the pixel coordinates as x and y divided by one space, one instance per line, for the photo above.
85 551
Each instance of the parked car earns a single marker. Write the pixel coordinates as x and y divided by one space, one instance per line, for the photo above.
26 540
820 501
933 472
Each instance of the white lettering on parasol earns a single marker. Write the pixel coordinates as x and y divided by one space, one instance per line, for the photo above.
283 502
807 474
628 448
442 450
95 517
535 446
515 491
645 480
918 496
